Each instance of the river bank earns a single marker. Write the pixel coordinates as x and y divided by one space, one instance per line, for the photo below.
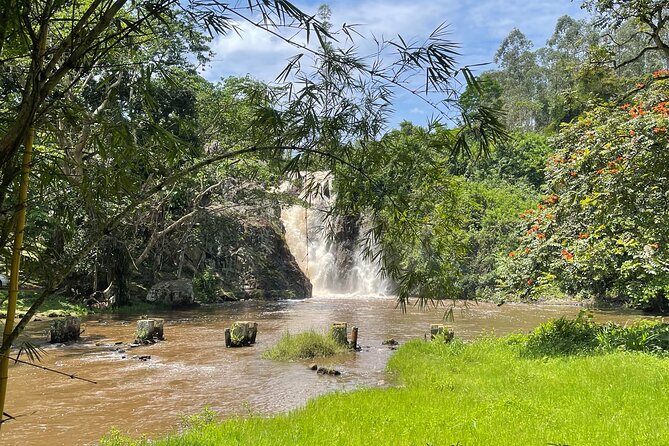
484 393
192 368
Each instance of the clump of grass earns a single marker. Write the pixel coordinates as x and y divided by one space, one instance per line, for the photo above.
305 345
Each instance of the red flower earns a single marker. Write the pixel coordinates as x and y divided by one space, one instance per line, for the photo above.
552 199
512 254
530 281
583 235
541 236
567 255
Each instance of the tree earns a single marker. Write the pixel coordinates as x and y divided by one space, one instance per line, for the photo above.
601 229
644 21
521 79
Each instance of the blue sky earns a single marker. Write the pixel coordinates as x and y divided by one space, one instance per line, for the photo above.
478 26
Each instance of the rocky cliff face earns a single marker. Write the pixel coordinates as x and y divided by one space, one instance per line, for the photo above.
246 256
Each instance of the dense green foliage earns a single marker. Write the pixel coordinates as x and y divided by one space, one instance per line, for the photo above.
600 230
304 345
483 393
562 337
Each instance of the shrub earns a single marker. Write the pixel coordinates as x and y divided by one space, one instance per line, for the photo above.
645 335
306 345
562 337
205 286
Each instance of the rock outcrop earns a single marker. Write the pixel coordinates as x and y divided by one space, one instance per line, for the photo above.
172 293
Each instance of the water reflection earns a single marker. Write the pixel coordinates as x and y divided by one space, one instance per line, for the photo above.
192 368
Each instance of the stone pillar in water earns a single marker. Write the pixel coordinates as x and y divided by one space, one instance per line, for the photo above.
150 330
241 333
338 333
441 331
63 330
158 325
145 329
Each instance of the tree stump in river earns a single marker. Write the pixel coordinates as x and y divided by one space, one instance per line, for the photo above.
64 330
338 333
441 331
150 330
241 334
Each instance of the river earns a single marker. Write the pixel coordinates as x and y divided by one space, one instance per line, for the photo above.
192 368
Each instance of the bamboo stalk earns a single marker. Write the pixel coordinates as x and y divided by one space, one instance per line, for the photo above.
16 264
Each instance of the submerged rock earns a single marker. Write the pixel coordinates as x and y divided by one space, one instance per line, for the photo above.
328 371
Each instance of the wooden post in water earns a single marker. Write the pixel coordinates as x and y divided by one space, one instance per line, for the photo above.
354 338
228 339
338 332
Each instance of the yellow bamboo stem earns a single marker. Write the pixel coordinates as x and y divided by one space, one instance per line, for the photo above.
15 265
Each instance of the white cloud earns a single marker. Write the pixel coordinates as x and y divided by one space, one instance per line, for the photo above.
478 26
255 52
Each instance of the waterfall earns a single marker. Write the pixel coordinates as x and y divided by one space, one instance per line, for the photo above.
328 251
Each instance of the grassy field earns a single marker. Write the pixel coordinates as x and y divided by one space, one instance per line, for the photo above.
485 393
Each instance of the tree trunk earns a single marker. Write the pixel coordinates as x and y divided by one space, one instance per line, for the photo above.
15 267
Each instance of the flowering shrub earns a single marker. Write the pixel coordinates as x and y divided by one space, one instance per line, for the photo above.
603 226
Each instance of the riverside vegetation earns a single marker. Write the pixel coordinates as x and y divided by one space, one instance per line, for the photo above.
305 345
568 382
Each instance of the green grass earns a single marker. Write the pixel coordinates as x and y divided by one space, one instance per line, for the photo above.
305 345
59 305
485 393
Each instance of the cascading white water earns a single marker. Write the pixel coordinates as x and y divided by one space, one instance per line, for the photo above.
316 251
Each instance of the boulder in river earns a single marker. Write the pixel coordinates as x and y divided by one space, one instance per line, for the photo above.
64 330
174 293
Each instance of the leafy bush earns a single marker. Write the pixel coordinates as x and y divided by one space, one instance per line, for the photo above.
645 335
205 286
601 228
563 337
306 345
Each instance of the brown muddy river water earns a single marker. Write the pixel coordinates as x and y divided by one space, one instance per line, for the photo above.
192 368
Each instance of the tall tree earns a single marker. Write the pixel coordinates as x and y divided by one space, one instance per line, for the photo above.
644 21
